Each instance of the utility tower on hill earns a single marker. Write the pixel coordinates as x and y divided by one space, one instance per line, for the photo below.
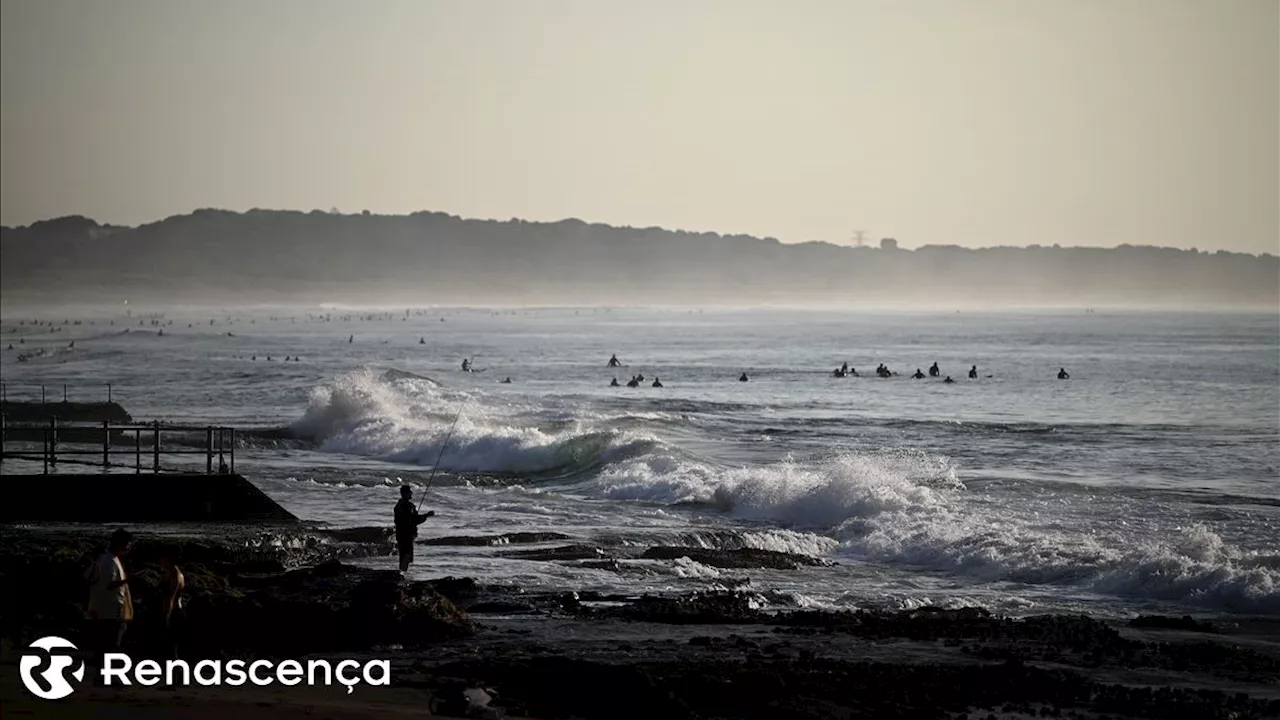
858 239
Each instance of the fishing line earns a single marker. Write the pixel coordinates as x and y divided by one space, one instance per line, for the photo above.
441 455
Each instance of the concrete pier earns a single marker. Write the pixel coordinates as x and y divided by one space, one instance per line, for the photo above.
41 412
158 498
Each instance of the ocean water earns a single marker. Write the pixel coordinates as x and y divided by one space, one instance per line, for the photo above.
1147 482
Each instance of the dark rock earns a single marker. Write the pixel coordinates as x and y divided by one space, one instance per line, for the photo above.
564 552
1186 622
697 608
499 608
737 558
370 535
504 539
459 590
326 607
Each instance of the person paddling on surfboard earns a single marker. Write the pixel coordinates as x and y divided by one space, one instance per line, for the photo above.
407 521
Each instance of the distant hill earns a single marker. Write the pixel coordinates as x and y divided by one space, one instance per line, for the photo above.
431 257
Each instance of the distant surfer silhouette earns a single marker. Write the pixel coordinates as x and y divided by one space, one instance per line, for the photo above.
744 378
934 371
613 362
1062 374
973 372
918 376
615 383
657 382
948 380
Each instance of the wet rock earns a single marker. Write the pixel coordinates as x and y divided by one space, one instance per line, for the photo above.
504 539
461 591
329 606
499 608
1186 622
696 608
564 552
734 559
371 535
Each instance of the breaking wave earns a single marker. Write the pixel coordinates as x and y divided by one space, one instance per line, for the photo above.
407 419
900 507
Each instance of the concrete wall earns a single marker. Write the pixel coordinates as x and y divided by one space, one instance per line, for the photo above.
138 498
34 412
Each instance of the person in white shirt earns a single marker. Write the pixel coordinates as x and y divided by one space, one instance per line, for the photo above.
110 602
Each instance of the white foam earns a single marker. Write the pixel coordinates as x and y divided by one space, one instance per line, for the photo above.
909 509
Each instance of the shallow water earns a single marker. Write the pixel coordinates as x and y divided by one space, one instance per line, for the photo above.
1145 482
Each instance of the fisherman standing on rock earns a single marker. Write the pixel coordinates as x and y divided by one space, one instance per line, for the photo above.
407 521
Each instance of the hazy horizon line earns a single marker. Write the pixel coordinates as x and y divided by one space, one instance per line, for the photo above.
870 244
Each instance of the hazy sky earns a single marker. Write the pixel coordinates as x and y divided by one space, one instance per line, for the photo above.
1093 122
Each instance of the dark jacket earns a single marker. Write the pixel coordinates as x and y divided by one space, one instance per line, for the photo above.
407 520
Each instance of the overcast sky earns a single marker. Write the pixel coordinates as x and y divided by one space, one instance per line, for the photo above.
1093 122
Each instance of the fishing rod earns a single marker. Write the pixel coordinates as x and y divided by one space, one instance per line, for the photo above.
439 457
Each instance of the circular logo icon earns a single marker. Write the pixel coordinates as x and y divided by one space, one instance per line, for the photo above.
45 667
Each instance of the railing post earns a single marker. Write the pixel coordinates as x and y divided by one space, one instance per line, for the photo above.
222 459
64 392
137 451
42 400
233 451
44 451
106 445
108 392
208 450
53 442
156 466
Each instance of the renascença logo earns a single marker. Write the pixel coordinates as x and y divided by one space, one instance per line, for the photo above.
59 656
44 671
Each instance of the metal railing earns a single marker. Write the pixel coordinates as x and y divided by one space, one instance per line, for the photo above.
219 442
45 392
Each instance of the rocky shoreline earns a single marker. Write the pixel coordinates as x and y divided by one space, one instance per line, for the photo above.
713 654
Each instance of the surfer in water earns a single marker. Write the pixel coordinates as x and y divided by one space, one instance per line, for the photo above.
634 382
657 382
615 383
973 372
613 362
407 521
918 376
466 365
506 382
948 380
934 371
1062 374
744 378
